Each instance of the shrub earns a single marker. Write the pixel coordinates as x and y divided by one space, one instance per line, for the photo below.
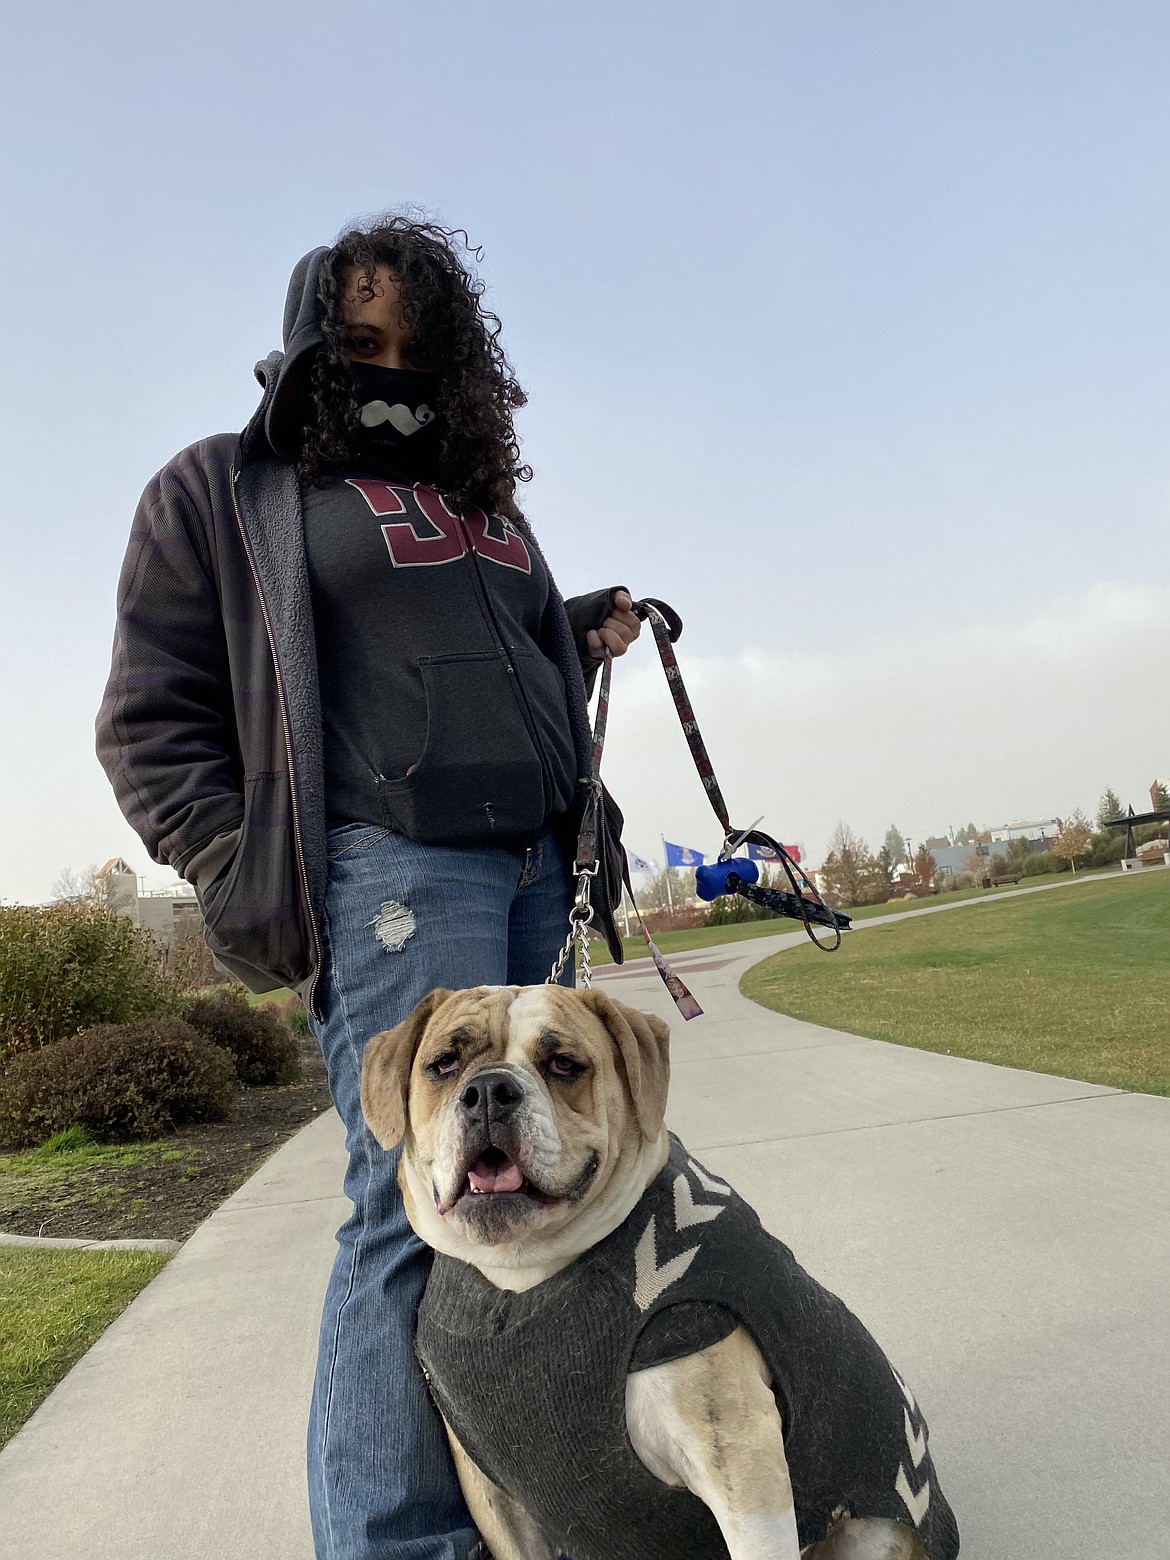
1041 862
1108 849
69 967
732 910
292 1014
192 964
264 1049
680 919
297 1019
117 1081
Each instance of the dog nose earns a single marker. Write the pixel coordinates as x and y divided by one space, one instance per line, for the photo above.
494 1095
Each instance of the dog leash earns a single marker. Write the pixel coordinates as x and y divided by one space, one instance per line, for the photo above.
728 874
586 866
804 902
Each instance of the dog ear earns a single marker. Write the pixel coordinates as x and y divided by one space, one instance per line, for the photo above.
643 1043
386 1066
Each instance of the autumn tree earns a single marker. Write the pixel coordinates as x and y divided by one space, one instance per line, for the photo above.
853 875
978 862
925 868
845 868
1075 839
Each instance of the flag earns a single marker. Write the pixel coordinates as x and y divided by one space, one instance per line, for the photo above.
637 864
762 853
682 855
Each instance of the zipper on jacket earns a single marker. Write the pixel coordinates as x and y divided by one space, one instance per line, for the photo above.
314 937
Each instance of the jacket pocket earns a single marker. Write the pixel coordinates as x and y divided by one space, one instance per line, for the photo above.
480 775
254 913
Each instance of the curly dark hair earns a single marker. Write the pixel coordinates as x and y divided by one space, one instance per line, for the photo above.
452 333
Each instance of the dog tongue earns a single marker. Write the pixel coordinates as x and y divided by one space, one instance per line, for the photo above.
488 1176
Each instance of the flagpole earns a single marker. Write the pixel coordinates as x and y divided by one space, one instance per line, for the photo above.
666 870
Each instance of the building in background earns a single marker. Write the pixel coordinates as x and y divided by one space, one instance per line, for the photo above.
168 914
962 858
1044 829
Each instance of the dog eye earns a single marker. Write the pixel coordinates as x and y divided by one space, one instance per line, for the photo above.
564 1067
445 1066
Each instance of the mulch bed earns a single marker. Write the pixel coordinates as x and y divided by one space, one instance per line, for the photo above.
177 1184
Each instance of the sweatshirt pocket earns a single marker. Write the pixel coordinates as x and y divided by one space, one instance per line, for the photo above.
480 775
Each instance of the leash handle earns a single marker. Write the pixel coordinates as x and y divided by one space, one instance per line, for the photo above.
805 902
652 611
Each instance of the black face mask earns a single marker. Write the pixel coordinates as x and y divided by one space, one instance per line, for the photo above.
399 422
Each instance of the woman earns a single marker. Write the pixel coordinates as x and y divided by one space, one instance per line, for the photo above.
348 704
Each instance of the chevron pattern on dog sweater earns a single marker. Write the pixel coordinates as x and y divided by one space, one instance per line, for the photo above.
533 1384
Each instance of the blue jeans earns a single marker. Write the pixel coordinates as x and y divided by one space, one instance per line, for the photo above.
401 919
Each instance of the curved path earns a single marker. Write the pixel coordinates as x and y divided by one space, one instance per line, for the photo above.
1003 1233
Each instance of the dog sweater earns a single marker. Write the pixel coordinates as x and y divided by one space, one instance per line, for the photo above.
533 1384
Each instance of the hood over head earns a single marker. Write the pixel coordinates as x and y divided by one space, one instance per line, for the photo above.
284 412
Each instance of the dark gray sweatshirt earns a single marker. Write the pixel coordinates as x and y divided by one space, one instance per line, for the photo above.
445 716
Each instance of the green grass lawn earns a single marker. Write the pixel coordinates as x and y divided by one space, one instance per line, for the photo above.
746 931
26 1179
53 1305
1074 983
710 936
956 895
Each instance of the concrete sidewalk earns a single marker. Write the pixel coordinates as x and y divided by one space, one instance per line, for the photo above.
1002 1233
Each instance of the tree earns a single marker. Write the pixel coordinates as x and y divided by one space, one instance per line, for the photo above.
1075 839
1017 849
1110 806
852 874
882 875
925 869
76 888
895 845
667 889
1160 795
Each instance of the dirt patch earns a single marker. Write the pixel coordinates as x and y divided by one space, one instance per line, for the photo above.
173 1185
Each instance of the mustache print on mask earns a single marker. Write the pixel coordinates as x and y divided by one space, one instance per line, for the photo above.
374 413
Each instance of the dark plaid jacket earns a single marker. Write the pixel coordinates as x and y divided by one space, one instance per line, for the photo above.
210 729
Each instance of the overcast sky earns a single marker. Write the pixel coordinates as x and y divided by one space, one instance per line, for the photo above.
844 327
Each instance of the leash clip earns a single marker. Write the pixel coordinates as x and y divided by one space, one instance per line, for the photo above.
581 914
732 842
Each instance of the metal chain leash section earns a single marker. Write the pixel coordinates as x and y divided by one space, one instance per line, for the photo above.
580 918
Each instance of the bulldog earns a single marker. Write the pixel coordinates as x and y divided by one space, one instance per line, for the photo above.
628 1365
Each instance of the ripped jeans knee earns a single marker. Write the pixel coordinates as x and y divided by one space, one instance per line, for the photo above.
393 925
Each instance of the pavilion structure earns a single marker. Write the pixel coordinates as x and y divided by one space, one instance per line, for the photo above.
1129 821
